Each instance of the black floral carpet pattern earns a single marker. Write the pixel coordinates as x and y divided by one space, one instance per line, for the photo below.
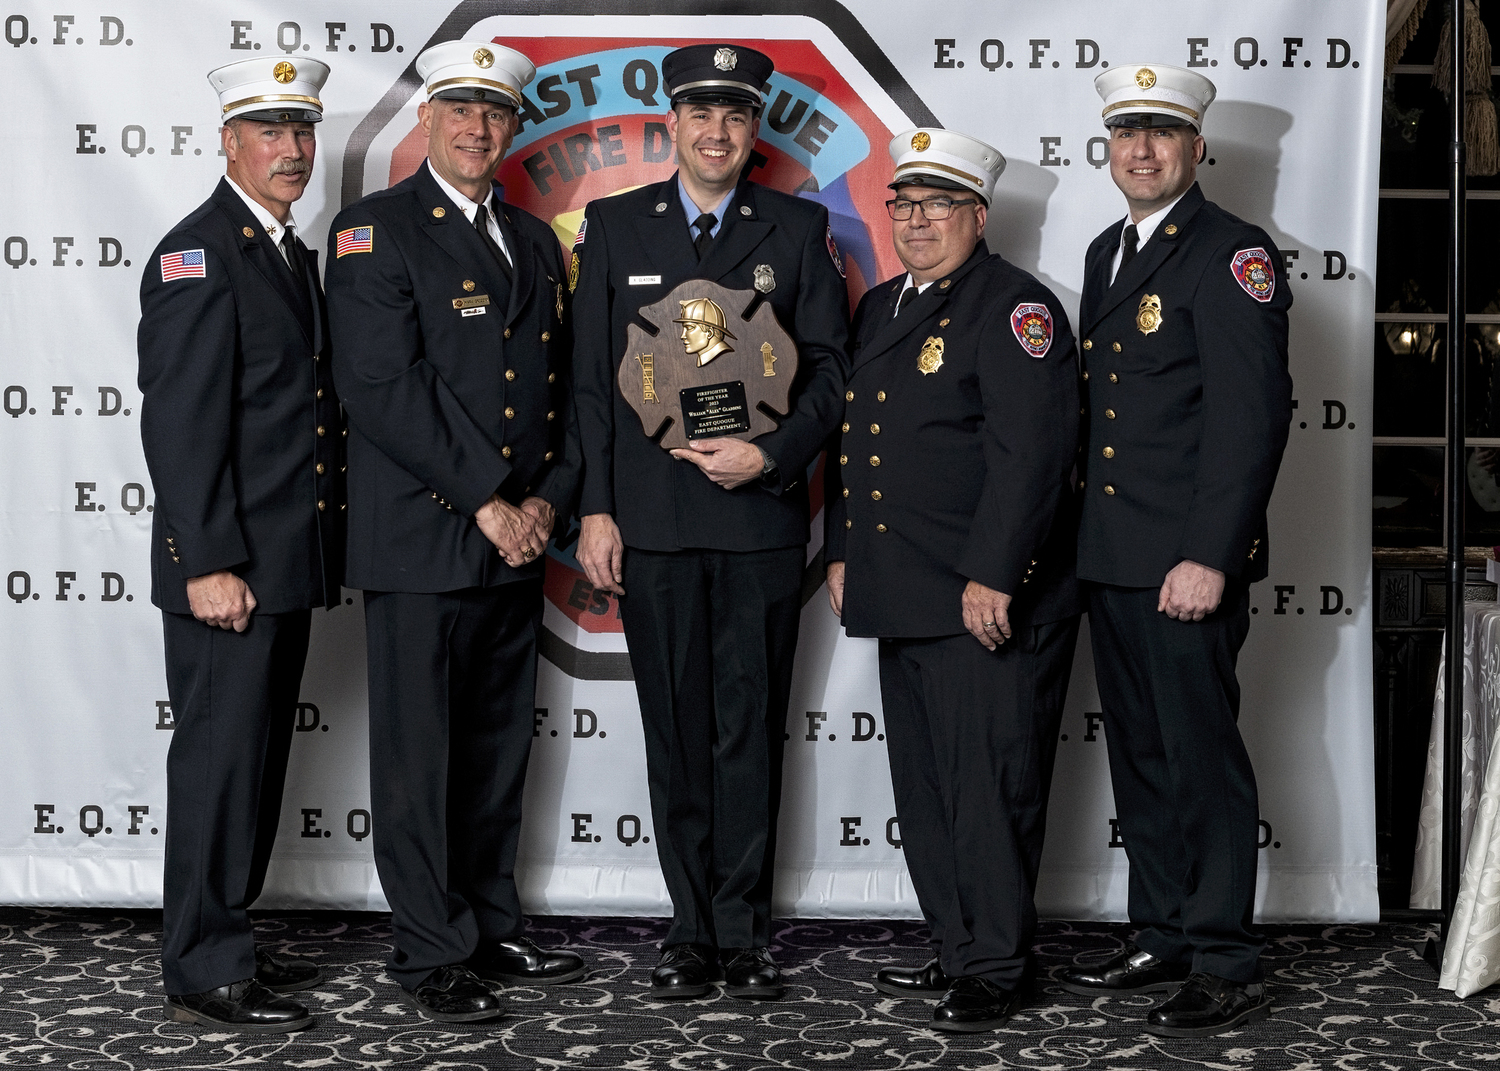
81 990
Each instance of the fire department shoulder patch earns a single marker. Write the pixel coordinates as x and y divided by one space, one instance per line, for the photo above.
1033 327
833 251
1252 270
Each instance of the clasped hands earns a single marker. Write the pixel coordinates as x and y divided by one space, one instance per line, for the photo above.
519 533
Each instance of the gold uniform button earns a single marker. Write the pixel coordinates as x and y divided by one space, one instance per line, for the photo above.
551 416
551 377
322 505
874 429
1114 378
345 433
546 336
846 492
507 332
847 524
322 431
320 468
1109 414
319 394
848 396
439 212
880 528
247 232
845 428
510 414
547 456
874 461
1085 377
945 284
880 397
510 375
1088 343
1109 488
875 495
505 451
1115 346
843 459
1109 451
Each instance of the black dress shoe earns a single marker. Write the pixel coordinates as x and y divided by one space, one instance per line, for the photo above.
1125 974
243 1006
453 995
927 980
286 974
683 973
520 961
751 974
1206 1005
974 1004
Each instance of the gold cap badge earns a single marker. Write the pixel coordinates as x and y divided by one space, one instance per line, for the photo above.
920 140
483 57
283 72
1145 78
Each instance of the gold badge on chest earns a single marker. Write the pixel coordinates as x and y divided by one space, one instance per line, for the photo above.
1148 316
931 357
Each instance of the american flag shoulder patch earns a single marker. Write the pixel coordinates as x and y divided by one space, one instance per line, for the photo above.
354 240
187 264
582 229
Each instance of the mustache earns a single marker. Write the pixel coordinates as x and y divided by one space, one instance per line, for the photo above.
290 167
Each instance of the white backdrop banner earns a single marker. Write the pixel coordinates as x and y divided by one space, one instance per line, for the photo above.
113 138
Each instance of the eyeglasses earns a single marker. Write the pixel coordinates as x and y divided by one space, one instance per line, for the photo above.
932 208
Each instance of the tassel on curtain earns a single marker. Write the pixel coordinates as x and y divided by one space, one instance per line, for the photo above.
1481 135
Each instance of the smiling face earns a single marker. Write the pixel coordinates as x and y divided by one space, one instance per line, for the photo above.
272 162
466 140
713 143
931 248
1154 166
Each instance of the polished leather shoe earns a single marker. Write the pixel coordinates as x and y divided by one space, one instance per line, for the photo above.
286 974
973 1004
520 961
927 980
1124 974
243 1006
751 974
684 972
453 995
1206 1005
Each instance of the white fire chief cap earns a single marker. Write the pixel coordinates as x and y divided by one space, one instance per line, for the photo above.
1154 94
945 160
474 70
270 90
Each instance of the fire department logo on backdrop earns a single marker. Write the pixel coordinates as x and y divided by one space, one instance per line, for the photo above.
592 124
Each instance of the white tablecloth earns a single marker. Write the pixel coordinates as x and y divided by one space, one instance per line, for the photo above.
1471 958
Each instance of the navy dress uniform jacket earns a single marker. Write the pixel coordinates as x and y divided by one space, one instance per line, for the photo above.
961 473
240 421
1187 423
658 502
449 399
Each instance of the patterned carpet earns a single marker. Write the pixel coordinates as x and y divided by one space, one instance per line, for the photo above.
80 990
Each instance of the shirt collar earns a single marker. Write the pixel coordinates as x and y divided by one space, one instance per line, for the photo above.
692 211
1147 227
466 206
270 223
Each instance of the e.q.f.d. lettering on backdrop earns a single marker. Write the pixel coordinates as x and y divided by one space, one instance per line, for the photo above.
120 140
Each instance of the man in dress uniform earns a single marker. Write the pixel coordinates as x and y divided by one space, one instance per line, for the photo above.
706 545
1184 326
241 429
950 536
448 307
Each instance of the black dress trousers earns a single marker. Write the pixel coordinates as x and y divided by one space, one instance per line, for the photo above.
234 704
971 735
712 635
452 694
1184 787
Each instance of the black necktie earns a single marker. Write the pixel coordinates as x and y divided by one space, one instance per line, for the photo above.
482 225
906 298
705 224
1128 245
294 259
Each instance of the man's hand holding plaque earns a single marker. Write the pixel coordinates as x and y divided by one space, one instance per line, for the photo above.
709 377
